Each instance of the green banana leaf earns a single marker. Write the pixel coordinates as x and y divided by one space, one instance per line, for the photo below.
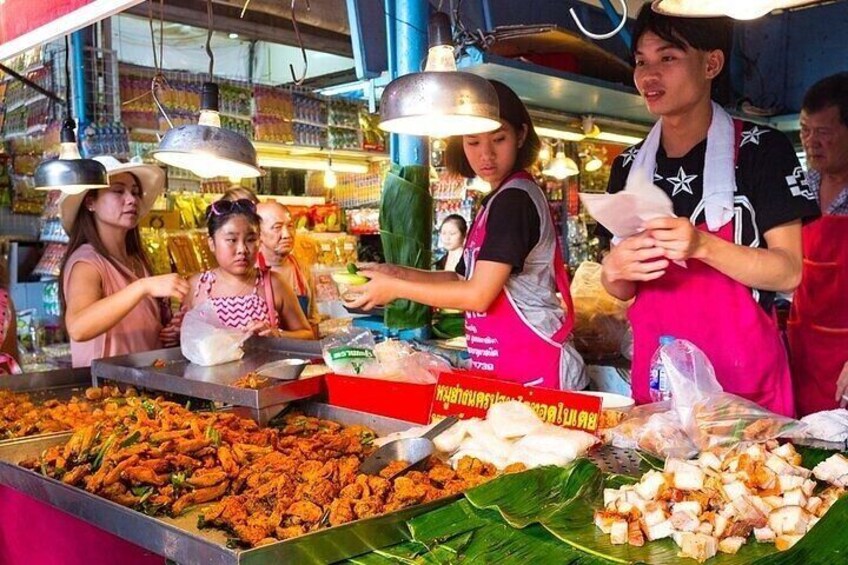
449 326
406 229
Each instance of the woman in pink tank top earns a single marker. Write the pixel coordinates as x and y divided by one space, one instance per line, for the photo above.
112 305
245 297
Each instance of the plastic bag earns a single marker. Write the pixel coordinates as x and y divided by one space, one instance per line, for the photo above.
204 340
600 322
654 428
711 417
350 352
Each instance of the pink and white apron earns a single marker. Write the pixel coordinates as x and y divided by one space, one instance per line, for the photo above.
502 340
818 322
702 305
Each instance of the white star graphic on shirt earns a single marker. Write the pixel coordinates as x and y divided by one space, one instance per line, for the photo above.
681 182
657 177
629 155
752 136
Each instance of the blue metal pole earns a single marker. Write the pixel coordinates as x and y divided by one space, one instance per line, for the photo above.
411 34
78 69
391 60
615 18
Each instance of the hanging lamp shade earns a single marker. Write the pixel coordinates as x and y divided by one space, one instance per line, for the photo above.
441 101
593 164
70 173
561 167
736 9
206 149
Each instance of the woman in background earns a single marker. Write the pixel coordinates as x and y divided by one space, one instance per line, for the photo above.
452 238
8 331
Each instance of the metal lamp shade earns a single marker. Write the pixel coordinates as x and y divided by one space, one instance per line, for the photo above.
738 9
72 176
439 104
209 151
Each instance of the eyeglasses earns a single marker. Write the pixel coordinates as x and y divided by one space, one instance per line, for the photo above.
224 207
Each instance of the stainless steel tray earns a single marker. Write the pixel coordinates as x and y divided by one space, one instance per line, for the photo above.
179 539
179 376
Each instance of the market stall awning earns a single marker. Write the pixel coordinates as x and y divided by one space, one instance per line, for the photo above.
25 24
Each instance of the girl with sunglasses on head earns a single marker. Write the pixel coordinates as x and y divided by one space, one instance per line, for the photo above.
512 267
112 304
243 296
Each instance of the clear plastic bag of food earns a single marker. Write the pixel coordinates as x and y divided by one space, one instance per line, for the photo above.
653 428
600 321
691 377
724 419
204 340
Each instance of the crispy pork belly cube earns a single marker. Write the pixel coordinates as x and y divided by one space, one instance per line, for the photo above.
748 512
790 482
794 497
698 546
784 542
684 522
764 535
661 530
705 528
604 521
720 526
654 515
611 495
781 467
808 487
691 506
786 452
623 507
650 485
760 505
731 464
734 490
618 532
731 545
773 501
633 498
672 464
709 460
757 452
790 520
688 477
813 504
833 470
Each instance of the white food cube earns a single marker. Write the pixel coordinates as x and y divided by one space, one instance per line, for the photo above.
720 525
764 535
731 545
808 487
705 528
650 485
691 506
760 505
709 460
794 497
684 522
618 532
813 504
786 451
688 477
698 546
611 496
604 523
654 516
661 530
790 482
788 520
735 490
774 501
756 452
623 507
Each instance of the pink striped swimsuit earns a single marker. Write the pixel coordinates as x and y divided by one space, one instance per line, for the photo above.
237 311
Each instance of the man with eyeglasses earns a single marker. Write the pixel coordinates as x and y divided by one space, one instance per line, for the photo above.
818 322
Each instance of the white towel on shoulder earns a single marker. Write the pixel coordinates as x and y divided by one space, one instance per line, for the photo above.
719 166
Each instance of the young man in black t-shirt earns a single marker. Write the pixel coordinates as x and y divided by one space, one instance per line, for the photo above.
739 233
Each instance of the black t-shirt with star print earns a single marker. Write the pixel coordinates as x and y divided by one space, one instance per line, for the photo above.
770 183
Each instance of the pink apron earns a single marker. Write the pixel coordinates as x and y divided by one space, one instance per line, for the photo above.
501 340
818 322
720 316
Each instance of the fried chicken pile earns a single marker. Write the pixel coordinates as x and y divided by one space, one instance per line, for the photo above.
312 480
21 415
267 483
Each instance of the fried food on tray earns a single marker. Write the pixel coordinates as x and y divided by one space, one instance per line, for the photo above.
264 484
21 415
252 380
159 364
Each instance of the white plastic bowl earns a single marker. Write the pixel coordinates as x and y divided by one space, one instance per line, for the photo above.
612 401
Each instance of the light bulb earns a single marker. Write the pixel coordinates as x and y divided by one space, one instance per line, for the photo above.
440 59
330 180
593 164
544 153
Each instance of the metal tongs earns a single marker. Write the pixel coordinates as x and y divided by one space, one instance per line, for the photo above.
411 450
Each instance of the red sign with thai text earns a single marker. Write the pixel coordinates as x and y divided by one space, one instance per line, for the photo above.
467 396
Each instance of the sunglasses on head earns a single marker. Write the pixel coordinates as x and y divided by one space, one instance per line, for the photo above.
224 207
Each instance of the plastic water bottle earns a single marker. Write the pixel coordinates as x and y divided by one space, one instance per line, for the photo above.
658 379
